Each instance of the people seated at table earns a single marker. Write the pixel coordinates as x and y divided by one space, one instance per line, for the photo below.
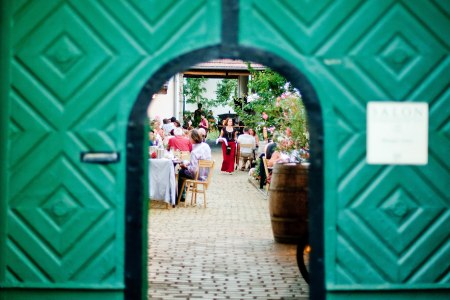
155 138
178 141
151 138
277 157
252 132
200 151
167 126
176 124
268 151
247 154
202 132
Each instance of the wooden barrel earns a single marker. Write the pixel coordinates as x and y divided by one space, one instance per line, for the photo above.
288 202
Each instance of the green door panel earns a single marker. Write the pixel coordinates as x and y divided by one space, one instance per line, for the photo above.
386 227
76 69
71 71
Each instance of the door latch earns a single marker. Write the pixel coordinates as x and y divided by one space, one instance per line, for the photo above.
100 157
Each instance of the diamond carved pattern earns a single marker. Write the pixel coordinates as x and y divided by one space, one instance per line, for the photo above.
394 45
312 21
306 10
399 207
392 50
386 224
76 67
61 63
30 128
63 53
398 55
60 207
60 217
387 59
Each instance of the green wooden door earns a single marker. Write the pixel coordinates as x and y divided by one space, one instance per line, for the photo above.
71 73
386 227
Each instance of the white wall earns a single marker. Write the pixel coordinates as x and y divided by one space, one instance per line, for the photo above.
163 105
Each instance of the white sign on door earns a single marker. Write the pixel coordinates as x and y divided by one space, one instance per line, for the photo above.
397 133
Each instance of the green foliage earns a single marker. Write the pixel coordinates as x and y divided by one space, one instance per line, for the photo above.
267 84
292 123
275 105
226 89
193 90
264 86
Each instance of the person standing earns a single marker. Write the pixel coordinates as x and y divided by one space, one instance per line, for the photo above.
204 124
229 133
200 150
197 115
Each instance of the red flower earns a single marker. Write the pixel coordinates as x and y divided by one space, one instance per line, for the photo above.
288 131
154 155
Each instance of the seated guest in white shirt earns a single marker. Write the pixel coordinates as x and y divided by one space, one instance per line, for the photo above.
200 151
167 126
202 132
247 154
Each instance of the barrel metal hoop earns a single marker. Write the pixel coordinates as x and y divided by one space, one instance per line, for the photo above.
289 189
283 219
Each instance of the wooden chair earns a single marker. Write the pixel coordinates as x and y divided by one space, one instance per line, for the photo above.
248 156
195 186
266 170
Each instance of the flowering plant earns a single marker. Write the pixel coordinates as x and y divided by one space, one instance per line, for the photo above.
275 109
292 133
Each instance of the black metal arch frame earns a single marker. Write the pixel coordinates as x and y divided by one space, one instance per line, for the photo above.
229 48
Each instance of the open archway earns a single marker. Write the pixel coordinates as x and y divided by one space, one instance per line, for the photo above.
135 228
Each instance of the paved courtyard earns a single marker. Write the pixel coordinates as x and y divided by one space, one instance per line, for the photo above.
225 251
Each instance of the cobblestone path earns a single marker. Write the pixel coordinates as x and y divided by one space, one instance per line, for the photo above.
225 251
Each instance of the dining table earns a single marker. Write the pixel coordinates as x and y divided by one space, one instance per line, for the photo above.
162 183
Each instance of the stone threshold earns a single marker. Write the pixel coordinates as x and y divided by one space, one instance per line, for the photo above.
255 183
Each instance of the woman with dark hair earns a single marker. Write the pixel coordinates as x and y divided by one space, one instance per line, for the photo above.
204 124
229 133
199 151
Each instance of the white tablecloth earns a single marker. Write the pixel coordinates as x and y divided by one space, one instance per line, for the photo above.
162 180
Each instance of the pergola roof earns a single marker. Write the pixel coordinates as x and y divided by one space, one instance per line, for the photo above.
221 68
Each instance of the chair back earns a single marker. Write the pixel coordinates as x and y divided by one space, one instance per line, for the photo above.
248 152
266 169
205 166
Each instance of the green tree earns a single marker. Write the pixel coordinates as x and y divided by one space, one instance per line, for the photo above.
226 91
193 90
264 87
274 104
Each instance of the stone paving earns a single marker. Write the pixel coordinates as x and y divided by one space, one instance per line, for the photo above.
225 251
